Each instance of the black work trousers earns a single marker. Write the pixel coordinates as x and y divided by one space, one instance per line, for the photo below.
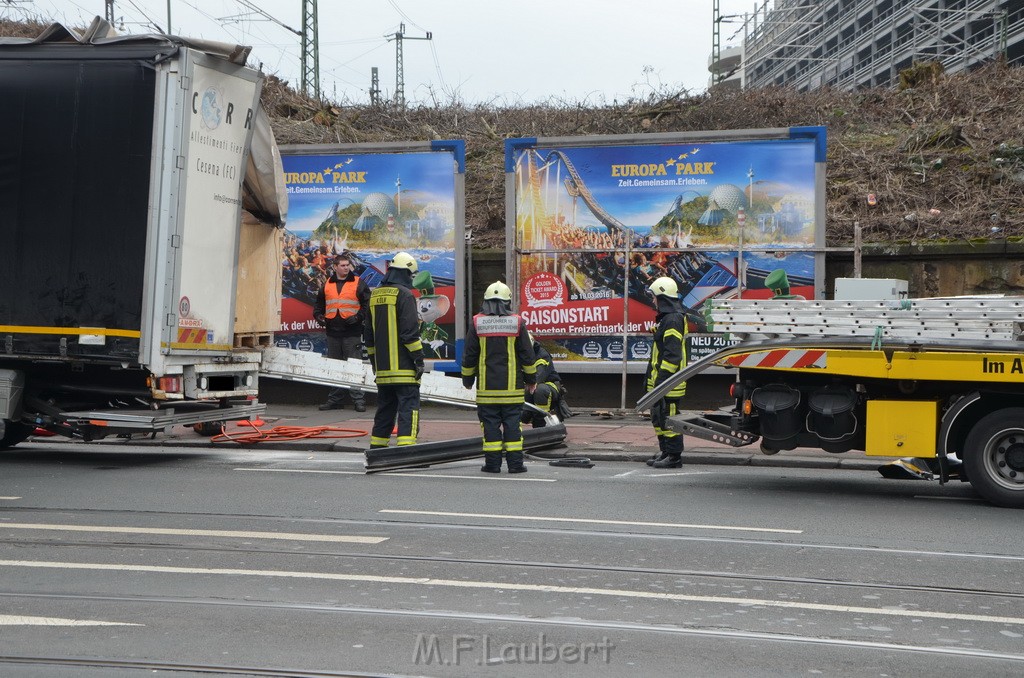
502 428
396 401
669 442
343 348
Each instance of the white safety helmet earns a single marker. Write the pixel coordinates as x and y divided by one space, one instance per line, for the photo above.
404 260
498 290
665 287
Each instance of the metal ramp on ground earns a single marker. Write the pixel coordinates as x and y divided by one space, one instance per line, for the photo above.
314 368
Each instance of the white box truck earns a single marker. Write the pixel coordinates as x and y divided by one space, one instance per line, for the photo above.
125 164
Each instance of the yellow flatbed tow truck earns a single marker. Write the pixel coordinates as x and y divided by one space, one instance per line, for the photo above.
937 399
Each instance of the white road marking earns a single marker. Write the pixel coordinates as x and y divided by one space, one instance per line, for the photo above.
682 473
516 586
10 498
396 473
592 520
16 620
495 476
288 536
627 473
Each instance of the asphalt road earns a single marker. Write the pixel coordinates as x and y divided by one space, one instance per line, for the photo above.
139 561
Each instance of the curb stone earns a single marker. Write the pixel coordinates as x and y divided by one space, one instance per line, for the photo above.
613 452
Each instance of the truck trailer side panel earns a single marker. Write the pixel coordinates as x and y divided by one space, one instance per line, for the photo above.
75 203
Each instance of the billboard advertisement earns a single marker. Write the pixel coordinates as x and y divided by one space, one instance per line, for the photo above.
595 222
373 204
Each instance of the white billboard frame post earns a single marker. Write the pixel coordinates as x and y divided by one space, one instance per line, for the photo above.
516 251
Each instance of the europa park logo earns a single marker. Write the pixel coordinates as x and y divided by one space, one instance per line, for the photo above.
544 290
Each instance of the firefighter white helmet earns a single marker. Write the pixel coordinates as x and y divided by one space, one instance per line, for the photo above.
404 260
498 290
665 287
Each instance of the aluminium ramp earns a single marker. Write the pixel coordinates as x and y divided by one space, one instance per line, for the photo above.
178 413
962 318
314 368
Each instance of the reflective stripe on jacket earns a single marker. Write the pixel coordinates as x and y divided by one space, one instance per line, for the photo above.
499 355
668 354
391 334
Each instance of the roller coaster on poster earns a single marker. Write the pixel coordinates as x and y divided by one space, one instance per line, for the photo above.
700 275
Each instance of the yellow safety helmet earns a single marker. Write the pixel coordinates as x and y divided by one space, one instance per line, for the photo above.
665 287
405 260
498 290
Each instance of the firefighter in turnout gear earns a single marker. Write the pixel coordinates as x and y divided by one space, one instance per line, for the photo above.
548 395
499 358
668 356
392 339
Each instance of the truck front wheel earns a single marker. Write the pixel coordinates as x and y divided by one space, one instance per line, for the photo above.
12 433
994 457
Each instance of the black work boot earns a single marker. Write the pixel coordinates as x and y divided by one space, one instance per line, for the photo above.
515 462
673 453
661 452
492 462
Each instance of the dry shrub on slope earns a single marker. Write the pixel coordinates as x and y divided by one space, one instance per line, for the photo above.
945 160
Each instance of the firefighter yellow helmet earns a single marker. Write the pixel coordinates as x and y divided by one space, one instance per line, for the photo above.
404 260
665 287
498 290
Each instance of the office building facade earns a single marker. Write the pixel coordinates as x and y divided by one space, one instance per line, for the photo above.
850 44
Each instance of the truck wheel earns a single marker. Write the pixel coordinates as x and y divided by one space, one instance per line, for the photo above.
994 457
14 432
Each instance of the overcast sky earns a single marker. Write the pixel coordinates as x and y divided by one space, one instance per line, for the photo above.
506 52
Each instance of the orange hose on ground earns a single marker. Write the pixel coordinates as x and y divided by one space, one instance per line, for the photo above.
284 433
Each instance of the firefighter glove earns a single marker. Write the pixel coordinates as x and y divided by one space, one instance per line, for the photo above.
417 358
468 381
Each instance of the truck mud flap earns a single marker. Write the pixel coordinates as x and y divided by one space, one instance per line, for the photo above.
696 425
442 452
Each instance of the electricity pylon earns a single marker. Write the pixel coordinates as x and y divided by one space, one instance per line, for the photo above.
398 37
310 49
